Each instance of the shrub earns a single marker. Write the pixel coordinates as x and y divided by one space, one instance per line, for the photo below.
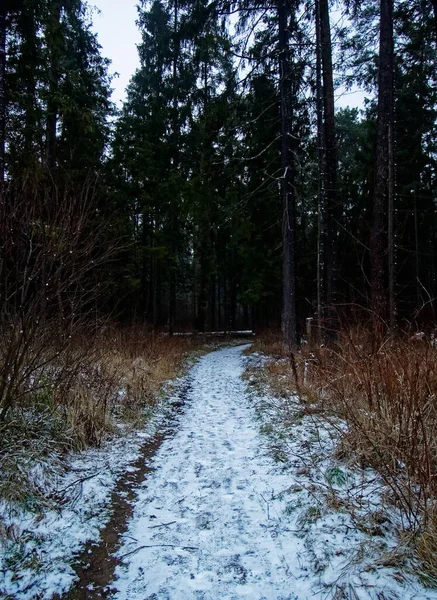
386 391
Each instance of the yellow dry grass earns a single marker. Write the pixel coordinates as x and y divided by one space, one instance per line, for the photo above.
129 370
79 397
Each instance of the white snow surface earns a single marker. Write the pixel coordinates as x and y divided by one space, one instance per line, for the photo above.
36 557
221 519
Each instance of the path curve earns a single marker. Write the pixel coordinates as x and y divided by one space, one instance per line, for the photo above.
202 527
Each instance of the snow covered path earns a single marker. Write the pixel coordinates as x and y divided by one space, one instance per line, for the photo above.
226 494
202 526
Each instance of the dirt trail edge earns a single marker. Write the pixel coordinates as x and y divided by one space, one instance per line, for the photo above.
95 565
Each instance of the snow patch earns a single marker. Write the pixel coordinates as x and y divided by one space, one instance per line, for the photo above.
36 556
246 500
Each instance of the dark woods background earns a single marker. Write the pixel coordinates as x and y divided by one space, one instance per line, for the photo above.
227 189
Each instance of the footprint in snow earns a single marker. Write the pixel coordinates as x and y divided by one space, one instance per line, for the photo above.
204 521
227 445
236 570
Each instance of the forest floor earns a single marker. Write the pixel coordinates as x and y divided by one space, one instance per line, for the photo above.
228 494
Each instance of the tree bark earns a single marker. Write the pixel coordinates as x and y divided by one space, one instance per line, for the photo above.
202 301
330 161
212 303
289 327
378 241
391 229
233 304
172 290
173 207
416 255
205 246
2 94
321 184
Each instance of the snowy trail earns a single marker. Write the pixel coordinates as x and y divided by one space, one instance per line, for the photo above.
226 494
203 525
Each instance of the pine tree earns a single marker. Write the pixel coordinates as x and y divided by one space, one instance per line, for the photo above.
382 170
289 324
416 105
58 89
330 161
2 93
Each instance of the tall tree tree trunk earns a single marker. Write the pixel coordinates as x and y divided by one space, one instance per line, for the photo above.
233 304
205 221
433 278
391 227
175 166
245 317
212 303
419 300
289 328
2 93
147 266
331 207
172 290
219 304
202 301
321 183
378 242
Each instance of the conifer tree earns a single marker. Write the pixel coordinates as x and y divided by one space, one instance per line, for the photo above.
58 88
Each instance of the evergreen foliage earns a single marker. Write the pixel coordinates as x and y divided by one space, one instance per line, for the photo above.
222 114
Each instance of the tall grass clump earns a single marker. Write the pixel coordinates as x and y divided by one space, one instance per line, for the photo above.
80 398
386 391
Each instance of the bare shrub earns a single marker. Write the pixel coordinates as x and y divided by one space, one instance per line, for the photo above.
386 391
49 259
67 378
387 394
64 375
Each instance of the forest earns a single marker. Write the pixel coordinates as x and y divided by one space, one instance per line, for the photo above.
233 190
228 192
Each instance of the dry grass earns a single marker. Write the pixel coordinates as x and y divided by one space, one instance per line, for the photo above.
75 399
129 371
387 393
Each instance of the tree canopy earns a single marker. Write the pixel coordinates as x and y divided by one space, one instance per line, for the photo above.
239 193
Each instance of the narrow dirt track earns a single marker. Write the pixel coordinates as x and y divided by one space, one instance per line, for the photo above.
95 566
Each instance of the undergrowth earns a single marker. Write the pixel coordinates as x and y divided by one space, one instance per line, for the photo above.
386 392
79 398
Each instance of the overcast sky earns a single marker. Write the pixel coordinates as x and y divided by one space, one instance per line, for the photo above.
118 35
